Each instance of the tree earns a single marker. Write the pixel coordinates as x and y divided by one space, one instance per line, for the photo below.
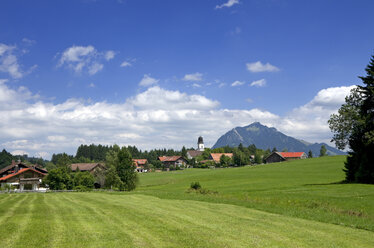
84 179
112 179
126 170
225 160
184 152
323 151
59 179
5 159
310 154
353 125
258 157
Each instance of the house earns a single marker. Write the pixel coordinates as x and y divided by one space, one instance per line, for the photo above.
140 164
96 169
173 161
284 156
217 156
90 167
193 154
22 176
10 169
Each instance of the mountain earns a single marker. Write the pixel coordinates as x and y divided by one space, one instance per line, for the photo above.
264 137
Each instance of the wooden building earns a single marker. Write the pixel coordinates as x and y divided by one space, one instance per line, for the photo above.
96 169
140 164
172 162
216 157
285 156
22 176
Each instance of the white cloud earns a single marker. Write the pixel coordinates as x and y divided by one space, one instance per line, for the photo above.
193 77
229 4
154 118
126 64
9 62
84 58
95 68
109 55
259 83
237 83
91 85
260 67
195 85
148 81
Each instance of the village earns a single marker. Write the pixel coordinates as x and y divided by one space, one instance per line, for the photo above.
21 177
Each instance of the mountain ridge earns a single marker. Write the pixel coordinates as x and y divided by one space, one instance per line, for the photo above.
269 137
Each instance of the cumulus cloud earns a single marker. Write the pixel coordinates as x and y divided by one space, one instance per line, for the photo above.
125 64
259 83
193 77
84 58
9 62
154 118
109 55
237 83
148 81
260 67
228 4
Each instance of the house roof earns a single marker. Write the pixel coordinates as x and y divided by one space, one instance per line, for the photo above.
169 158
291 154
20 172
84 166
140 161
217 156
43 170
194 153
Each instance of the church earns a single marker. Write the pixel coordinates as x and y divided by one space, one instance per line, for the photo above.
200 148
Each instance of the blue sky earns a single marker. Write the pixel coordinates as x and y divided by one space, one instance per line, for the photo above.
221 63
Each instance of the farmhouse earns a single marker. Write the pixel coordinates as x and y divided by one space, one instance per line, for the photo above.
173 161
217 156
193 154
140 164
90 167
96 169
285 156
22 176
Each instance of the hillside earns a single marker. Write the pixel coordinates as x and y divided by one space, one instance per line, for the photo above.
308 189
291 204
268 138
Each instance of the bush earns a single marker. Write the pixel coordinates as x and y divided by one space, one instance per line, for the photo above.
195 185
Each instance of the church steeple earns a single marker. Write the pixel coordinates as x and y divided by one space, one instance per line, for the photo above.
200 144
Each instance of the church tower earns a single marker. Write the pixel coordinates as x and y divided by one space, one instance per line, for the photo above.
200 144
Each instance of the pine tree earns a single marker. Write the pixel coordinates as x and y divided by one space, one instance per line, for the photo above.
310 154
360 163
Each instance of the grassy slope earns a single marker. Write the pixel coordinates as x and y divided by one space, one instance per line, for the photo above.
126 220
305 189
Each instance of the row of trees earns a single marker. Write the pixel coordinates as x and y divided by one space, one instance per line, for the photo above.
119 173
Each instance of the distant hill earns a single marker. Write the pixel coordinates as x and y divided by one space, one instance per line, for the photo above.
264 137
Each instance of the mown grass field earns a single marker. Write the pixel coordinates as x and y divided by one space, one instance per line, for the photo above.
295 204
308 189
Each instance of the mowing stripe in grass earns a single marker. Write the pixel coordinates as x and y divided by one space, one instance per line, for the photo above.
105 228
19 221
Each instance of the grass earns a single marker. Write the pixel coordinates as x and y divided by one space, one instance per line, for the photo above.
293 204
126 220
308 189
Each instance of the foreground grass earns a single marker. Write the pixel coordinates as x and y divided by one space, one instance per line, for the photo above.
131 220
308 189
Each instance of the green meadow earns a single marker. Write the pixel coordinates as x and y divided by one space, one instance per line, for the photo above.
292 204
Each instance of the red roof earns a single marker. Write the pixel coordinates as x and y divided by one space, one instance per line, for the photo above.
19 172
140 161
169 159
291 154
217 156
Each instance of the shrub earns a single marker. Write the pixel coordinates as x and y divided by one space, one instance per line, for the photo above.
195 185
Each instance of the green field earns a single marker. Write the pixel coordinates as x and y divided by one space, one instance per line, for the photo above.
293 204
